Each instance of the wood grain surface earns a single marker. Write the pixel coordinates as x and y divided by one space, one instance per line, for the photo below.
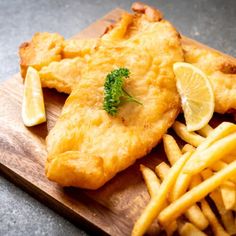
110 210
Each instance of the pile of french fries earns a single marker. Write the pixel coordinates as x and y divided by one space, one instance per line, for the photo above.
198 184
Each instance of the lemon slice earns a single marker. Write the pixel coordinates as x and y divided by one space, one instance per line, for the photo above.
33 111
197 98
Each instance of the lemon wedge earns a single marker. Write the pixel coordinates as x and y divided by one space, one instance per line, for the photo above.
33 111
197 98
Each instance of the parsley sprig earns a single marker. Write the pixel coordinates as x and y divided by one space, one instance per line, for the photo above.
114 93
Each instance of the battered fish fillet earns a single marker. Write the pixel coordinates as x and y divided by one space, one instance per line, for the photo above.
64 75
221 71
40 51
87 146
79 47
54 57
46 53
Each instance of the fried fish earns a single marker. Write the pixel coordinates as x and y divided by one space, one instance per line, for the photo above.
47 52
85 135
58 61
221 71
79 47
43 49
87 146
63 75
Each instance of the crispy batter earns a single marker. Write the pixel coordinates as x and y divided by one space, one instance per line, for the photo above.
62 75
87 146
40 51
78 47
221 71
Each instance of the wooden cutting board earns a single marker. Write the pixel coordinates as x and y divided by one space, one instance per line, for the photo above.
113 208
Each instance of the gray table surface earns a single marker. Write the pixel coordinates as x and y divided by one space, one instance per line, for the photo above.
212 22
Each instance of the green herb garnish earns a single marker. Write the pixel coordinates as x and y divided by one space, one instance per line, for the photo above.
114 93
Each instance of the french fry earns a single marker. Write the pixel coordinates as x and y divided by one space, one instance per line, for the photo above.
181 186
227 190
189 137
195 216
196 180
151 180
229 158
171 228
207 157
183 180
216 226
205 131
228 221
194 213
217 198
206 174
171 148
219 165
221 131
188 229
155 206
187 147
162 170
226 216
228 193
178 207
214 152
153 184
